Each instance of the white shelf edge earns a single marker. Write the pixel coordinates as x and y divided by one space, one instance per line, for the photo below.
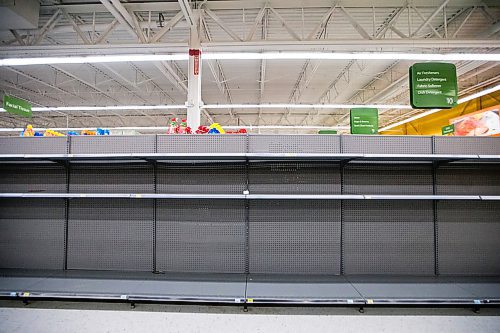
247 196
249 156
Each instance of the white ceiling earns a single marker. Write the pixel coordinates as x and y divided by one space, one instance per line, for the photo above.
360 25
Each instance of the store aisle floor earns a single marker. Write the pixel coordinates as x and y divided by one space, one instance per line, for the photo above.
176 319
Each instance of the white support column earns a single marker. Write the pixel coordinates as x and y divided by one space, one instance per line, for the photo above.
194 81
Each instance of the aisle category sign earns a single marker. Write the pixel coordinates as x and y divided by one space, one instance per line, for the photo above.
364 121
17 106
433 85
448 129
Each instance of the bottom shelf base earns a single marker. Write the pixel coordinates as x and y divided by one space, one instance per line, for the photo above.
251 289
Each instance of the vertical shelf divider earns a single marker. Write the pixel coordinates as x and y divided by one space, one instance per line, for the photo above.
67 166
435 165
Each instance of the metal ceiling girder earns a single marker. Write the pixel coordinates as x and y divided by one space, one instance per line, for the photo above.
426 22
44 83
116 14
465 19
256 4
169 26
185 7
221 24
389 23
285 24
81 81
103 35
362 32
219 76
76 28
47 27
257 21
429 19
324 21
171 74
19 38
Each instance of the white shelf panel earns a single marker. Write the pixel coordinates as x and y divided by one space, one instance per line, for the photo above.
247 196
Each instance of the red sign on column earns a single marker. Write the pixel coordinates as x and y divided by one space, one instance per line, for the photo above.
196 65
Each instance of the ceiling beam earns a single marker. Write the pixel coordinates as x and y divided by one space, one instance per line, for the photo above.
221 24
323 23
188 13
116 14
429 19
355 24
77 29
163 6
257 21
47 27
103 35
169 26
285 24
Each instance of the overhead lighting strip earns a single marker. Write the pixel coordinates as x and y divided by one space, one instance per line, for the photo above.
217 106
351 56
304 106
254 56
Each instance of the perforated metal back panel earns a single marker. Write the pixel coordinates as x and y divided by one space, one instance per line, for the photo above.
39 177
32 233
202 143
472 179
374 144
33 145
467 145
221 178
294 178
294 236
294 144
112 178
111 234
388 237
469 237
200 236
113 144
369 178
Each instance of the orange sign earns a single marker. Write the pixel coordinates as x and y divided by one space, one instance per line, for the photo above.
485 122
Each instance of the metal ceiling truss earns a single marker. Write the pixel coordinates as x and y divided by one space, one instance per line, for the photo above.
99 28
128 16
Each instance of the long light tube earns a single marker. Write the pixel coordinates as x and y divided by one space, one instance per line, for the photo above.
104 108
218 106
254 56
426 113
92 59
304 106
351 56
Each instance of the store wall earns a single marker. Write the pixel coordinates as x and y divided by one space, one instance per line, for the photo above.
432 124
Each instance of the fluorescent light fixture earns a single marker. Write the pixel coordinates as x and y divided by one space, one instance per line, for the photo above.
351 56
218 106
254 56
105 108
426 113
92 59
304 106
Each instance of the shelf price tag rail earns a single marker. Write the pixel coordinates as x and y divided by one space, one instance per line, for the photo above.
250 157
248 196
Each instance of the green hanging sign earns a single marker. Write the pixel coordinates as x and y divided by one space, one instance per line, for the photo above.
449 129
433 85
17 106
364 121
